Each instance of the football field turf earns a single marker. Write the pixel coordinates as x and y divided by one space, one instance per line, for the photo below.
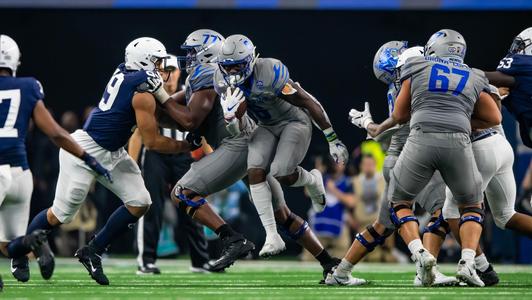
251 280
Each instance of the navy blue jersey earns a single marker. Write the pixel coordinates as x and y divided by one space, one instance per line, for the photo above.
519 102
18 96
111 123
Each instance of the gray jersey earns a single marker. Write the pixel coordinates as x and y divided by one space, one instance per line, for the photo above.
398 139
213 127
262 92
443 93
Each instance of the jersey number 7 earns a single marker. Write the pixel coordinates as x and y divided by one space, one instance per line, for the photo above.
9 106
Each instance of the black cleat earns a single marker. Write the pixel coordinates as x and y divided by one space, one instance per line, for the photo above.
88 257
1 284
234 247
489 277
328 268
35 239
46 260
148 269
20 268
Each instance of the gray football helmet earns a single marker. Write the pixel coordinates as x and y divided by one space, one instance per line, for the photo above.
237 59
522 43
448 44
386 58
202 46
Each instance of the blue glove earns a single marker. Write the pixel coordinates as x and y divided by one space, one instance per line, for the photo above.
96 166
194 140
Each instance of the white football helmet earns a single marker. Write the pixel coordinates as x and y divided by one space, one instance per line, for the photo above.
522 43
9 54
143 53
408 53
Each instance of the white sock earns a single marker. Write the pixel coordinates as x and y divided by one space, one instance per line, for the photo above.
481 262
344 268
262 199
468 254
415 245
304 179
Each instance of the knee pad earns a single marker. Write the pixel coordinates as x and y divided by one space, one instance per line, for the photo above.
285 227
478 219
398 222
377 238
190 205
437 223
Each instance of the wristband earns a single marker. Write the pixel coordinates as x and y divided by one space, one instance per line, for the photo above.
330 135
161 95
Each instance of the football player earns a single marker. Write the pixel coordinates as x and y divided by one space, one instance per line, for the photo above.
21 99
443 99
515 72
285 112
104 135
387 64
202 113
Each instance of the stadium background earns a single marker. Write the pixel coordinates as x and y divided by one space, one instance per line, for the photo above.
72 47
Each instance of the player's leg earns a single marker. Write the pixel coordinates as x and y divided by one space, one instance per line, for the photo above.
127 185
261 147
154 171
297 228
291 149
367 240
213 173
14 215
459 171
411 174
197 243
73 183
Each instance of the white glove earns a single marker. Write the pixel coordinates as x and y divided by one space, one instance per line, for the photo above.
230 102
361 119
155 85
337 149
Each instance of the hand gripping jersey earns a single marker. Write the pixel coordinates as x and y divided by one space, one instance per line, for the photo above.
519 102
262 90
443 93
18 96
399 137
213 127
111 123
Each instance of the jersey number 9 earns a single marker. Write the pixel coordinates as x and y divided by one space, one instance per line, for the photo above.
111 91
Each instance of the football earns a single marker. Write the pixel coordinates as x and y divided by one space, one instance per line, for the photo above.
241 110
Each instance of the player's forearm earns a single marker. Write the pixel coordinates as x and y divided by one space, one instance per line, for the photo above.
318 115
62 139
499 79
182 115
375 129
164 144
134 146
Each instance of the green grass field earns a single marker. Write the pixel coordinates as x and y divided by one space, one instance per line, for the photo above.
250 280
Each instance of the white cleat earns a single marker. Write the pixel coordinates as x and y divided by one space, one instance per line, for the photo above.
425 266
440 279
467 273
334 279
317 191
273 245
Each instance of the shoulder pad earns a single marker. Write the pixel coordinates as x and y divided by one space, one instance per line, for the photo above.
201 77
272 73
